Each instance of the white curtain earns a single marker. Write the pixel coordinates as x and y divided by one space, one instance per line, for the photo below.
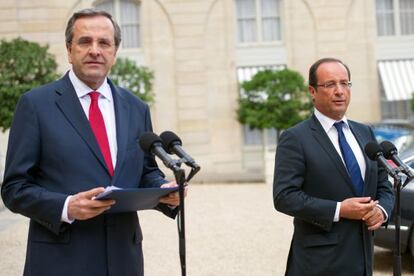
407 17
246 20
270 20
107 6
129 23
385 17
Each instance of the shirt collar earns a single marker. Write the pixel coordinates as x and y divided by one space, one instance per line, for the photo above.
82 89
326 122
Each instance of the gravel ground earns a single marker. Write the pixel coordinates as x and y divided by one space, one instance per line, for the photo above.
231 229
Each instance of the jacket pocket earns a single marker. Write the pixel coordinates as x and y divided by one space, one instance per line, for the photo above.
317 252
320 240
43 235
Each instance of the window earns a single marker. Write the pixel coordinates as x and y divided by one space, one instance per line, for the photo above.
385 17
407 17
127 14
258 20
395 17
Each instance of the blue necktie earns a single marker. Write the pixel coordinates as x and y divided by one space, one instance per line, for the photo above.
350 161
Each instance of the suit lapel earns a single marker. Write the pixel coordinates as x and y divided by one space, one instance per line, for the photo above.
68 102
322 138
122 110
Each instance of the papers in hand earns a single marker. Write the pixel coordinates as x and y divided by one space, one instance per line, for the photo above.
108 190
131 200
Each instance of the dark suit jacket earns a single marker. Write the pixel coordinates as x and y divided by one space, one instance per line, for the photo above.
52 153
310 178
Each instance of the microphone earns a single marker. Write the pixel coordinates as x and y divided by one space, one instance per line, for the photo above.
151 143
172 143
374 152
391 152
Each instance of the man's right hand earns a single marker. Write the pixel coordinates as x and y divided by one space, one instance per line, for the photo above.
82 206
356 207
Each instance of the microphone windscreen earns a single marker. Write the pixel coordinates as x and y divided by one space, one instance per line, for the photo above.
389 149
170 139
147 140
372 150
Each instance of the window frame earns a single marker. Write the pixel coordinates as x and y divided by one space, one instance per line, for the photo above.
397 31
259 26
117 17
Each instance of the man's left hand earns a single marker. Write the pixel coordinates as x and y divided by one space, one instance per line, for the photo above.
374 219
172 199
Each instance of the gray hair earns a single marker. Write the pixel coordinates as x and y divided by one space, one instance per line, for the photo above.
91 13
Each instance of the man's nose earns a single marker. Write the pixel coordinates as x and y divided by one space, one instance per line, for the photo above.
94 49
339 88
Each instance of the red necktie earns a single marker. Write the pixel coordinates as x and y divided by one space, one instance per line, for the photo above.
98 127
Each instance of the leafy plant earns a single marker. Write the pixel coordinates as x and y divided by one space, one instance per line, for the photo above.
274 99
24 65
137 79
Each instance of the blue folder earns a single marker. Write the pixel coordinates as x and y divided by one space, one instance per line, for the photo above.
132 200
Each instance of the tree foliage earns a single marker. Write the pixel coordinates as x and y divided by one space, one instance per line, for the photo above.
24 65
137 79
274 99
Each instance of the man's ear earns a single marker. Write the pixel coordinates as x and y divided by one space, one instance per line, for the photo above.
312 91
69 51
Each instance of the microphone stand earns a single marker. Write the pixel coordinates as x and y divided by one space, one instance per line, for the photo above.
180 179
397 222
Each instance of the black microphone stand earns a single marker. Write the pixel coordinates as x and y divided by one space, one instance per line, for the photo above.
151 143
181 180
397 222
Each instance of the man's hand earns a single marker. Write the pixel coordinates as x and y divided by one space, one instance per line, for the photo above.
82 206
374 219
356 207
172 199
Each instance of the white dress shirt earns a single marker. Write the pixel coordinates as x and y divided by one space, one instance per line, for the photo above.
106 105
328 125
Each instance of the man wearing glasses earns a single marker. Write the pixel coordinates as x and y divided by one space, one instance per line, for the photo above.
336 195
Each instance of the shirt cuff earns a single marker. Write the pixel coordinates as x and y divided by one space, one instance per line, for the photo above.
338 208
65 217
383 211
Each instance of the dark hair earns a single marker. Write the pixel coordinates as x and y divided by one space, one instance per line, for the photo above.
313 80
91 13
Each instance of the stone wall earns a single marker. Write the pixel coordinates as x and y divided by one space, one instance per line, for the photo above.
191 47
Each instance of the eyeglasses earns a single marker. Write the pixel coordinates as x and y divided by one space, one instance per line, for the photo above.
332 85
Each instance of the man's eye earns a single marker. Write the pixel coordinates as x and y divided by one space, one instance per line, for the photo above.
330 85
105 43
84 42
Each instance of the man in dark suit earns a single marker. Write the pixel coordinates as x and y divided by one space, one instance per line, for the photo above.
336 195
69 140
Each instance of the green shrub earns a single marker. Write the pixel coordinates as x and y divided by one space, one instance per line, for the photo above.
137 79
274 99
24 65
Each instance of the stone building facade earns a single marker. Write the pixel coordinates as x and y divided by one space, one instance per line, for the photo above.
195 50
